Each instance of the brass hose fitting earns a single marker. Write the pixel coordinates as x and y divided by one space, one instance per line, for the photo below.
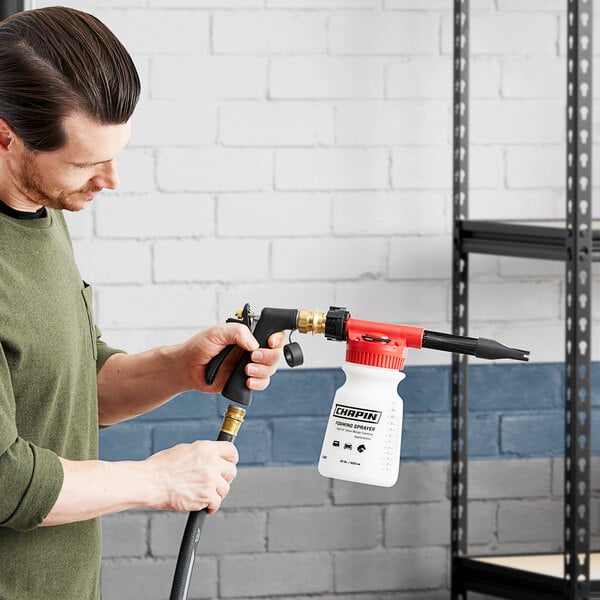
232 420
311 321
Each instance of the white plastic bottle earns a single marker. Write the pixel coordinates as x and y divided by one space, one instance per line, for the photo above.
364 432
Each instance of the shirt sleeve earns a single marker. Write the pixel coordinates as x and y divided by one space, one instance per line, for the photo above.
30 477
104 351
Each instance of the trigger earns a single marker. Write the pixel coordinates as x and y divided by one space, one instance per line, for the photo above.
246 317
215 363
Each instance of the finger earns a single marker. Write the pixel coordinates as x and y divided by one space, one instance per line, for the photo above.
266 356
214 505
229 473
232 333
277 339
243 337
258 385
259 371
228 452
223 488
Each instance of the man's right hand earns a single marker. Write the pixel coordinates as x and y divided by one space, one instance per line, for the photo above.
190 477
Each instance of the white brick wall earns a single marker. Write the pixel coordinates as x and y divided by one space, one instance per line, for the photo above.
276 124
326 78
174 123
392 124
516 32
215 77
332 169
145 31
211 260
298 153
269 33
214 169
383 33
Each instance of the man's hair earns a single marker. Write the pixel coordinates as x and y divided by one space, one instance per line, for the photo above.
57 61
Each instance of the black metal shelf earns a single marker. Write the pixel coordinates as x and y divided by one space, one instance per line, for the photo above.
576 242
543 239
521 577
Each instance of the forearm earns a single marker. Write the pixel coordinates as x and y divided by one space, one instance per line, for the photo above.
94 488
184 478
133 384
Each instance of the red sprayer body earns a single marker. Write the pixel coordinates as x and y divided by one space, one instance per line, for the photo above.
393 341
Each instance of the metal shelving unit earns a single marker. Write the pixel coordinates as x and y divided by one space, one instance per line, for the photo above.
10 7
575 574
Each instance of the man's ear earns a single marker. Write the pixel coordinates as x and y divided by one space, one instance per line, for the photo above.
7 136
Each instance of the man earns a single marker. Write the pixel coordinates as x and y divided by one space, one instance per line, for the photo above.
67 92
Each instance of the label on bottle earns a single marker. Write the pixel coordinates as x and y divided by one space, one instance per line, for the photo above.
360 423
357 414
362 444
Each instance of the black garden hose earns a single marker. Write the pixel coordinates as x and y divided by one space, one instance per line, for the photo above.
193 529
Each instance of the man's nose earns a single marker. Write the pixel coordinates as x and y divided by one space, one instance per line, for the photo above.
109 177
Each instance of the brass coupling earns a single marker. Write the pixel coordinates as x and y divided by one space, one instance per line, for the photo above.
232 420
311 321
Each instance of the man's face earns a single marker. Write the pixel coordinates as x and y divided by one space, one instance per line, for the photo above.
71 177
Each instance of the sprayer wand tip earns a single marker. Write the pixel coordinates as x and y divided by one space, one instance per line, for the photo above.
521 354
492 349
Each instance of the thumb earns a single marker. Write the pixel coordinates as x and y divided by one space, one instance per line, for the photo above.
241 336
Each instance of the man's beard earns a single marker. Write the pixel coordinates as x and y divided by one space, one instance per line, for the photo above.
30 183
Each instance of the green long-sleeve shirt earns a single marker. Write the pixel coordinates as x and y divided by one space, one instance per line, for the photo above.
50 351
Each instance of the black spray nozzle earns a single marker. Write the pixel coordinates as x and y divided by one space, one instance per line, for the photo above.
478 347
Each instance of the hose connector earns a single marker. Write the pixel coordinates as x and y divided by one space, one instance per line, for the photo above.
232 420
311 321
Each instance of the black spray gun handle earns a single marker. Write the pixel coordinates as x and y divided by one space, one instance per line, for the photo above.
271 321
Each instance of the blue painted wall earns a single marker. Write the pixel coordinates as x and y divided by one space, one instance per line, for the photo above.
515 411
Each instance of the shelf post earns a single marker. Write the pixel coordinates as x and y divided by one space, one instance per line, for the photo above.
10 7
460 272
578 300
